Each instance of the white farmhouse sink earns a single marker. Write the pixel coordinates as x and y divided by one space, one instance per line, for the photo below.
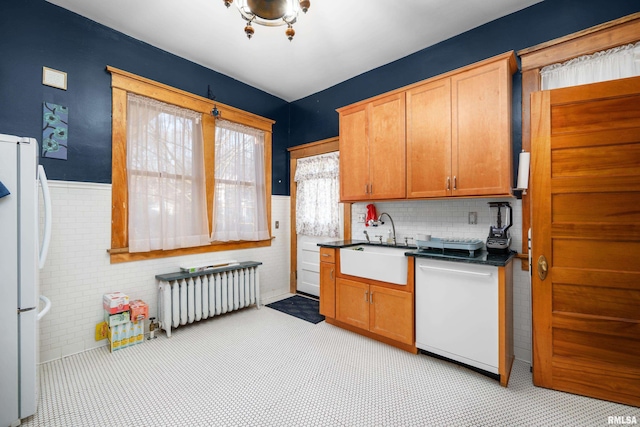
375 262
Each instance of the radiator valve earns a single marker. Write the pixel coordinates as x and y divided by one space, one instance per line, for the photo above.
152 328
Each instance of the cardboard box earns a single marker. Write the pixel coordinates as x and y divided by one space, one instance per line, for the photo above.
115 302
116 319
139 310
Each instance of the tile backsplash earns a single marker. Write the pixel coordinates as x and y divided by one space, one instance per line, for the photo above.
439 218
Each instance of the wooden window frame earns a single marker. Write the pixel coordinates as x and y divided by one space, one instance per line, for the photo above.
605 36
123 82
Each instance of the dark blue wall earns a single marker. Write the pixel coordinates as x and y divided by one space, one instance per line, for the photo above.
314 117
34 33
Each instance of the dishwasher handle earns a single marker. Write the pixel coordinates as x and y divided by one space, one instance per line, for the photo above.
453 270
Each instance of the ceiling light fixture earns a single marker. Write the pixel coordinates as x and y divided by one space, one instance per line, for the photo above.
270 13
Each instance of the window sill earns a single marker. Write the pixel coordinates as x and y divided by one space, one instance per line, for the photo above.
123 255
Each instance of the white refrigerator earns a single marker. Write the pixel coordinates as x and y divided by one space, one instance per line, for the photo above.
21 257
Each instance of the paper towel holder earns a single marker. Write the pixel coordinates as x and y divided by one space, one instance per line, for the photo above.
523 172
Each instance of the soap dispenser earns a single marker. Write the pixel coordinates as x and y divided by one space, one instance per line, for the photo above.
389 237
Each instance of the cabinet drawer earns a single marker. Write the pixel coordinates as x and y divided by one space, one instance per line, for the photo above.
328 255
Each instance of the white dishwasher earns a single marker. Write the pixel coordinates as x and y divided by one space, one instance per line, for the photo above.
457 312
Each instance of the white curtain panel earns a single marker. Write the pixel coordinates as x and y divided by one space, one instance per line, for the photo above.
318 195
617 63
166 180
239 205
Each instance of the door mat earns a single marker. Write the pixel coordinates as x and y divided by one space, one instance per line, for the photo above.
300 307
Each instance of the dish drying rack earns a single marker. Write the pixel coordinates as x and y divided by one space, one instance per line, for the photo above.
470 245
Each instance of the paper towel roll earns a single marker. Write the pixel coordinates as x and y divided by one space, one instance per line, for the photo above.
523 171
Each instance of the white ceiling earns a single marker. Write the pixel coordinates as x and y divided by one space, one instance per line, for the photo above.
335 40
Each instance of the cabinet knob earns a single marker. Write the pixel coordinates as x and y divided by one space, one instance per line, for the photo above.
448 183
366 296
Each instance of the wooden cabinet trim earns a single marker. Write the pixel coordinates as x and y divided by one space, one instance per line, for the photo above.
510 56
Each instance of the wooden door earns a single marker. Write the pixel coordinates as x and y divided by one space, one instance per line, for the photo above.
328 289
352 303
585 190
354 154
481 132
391 313
429 140
387 148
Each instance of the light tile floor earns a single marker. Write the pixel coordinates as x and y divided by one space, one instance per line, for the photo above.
266 368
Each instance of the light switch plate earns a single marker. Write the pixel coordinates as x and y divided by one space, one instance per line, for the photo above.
473 218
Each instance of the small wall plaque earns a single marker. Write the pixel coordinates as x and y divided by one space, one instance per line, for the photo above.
54 78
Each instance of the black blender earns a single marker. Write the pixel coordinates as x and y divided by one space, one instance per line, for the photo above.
501 219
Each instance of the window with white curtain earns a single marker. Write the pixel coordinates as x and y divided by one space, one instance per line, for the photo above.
317 195
166 180
617 63
239 202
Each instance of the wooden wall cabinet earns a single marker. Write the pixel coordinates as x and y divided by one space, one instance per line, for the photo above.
446 136
373 149
459 132
327 282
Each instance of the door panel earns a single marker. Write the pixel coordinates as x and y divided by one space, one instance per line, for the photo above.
391 314
387 148
585 186
481 105
308 279
352 303
429 139
354 154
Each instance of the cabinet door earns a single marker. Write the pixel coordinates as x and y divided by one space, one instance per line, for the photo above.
391 314
481 149
354 154
352 303
328 289
429 140
387 148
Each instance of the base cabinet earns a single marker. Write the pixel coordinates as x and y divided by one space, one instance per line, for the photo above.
382 311
327 282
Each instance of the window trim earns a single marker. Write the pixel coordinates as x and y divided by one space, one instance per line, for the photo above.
123 82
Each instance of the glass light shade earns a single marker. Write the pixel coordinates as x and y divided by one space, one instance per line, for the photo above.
271 13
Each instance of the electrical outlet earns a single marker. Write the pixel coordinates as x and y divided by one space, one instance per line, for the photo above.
277 224
473 217
361 218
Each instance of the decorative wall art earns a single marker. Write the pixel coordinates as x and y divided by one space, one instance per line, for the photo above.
55 130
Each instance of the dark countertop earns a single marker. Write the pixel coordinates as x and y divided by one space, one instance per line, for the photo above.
482 257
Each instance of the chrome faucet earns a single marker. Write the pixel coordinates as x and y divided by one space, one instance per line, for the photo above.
367 235
393 226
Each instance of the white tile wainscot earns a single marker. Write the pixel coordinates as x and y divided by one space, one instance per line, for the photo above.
78 271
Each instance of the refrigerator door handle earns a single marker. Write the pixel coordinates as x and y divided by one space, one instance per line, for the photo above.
44 249
47 307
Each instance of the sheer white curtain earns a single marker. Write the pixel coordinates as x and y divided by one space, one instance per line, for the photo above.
318 195
239 205
165 172
617 63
